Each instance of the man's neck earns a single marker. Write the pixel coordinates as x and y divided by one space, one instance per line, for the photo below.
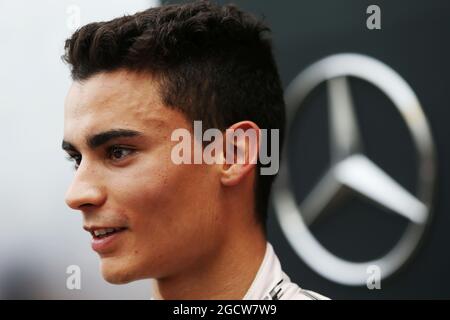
227 276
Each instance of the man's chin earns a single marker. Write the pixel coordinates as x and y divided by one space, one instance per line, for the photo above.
115 273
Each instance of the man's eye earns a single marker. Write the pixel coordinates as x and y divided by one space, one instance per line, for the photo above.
76 158
118 153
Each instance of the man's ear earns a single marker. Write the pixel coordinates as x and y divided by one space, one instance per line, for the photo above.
241 148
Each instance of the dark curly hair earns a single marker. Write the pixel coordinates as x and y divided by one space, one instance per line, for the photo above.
213 63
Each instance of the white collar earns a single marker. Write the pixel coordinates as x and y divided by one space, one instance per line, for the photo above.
271 283
269 275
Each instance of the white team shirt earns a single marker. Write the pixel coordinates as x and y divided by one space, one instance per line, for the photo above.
271 283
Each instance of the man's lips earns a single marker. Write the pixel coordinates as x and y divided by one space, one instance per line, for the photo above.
101 231
104 237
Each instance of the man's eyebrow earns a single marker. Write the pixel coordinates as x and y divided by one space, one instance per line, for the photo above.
102 138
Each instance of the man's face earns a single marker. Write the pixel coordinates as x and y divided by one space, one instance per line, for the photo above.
117 128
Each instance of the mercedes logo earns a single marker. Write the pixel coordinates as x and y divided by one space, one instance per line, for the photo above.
350 168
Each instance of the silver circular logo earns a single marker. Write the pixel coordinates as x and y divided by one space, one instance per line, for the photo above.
350 168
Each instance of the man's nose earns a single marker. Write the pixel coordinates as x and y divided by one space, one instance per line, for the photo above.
85 191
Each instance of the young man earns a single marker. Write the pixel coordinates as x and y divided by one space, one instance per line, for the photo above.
197 229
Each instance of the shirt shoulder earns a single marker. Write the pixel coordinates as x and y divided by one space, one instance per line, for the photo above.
271 283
